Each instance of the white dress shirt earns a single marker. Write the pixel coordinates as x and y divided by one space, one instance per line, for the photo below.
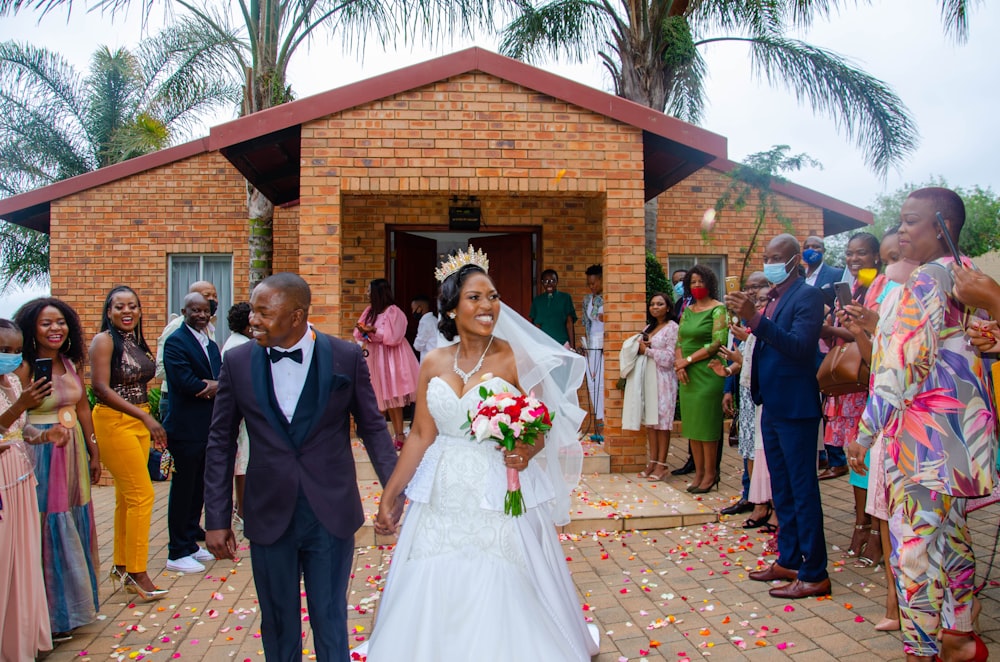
427 335
202 339
289 377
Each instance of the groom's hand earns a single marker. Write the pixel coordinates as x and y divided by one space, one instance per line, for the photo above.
222 543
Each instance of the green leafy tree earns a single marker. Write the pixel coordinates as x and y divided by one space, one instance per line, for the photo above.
752 182
265 34
981 232
56 122
651 49
656 278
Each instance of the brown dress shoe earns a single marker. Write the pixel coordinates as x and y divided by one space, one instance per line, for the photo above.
833 472
772 572
799 589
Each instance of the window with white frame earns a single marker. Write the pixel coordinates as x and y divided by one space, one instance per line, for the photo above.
216 268
717 263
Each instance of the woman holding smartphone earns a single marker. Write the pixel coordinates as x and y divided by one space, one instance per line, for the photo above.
53 347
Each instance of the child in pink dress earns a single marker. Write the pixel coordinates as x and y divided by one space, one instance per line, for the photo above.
381 331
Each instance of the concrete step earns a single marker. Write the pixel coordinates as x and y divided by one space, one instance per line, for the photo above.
603 502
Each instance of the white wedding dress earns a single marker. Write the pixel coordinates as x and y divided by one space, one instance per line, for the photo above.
466 581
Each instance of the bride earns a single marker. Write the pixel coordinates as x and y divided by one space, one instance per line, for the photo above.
468 581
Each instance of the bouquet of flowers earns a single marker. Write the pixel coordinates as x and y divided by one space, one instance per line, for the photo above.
507 418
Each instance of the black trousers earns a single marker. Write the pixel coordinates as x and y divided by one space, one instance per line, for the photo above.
306 549
187 498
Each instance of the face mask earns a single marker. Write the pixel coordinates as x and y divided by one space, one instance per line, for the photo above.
9 363
699 292
811 256
212 307
899 272
776 273
679 289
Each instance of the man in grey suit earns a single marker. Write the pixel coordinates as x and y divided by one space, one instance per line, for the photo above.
297 390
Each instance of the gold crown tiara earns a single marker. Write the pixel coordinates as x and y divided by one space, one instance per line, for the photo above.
459 260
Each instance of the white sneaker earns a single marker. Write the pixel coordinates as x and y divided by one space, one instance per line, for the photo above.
184 564
203 555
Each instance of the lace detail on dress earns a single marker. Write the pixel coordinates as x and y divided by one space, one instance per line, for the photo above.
453 480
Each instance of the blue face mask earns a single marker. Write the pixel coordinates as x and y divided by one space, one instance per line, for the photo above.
812 257
776 273
9 363
679 290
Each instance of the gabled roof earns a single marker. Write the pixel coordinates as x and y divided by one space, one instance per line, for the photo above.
838 216
264 146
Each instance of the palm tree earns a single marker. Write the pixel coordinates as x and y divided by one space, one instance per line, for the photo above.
271 31
651 50
56 123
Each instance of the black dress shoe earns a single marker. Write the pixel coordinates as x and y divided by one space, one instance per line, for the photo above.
738 508
686 469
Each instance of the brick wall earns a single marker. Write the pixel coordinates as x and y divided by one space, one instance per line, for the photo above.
397 161
123 232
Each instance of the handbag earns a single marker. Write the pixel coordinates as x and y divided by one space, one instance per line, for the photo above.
844 370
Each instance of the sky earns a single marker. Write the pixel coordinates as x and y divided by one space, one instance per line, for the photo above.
951 89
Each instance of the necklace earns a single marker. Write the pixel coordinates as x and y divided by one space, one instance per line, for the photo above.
466 376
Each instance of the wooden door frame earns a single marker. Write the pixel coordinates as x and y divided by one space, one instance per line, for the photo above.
534 230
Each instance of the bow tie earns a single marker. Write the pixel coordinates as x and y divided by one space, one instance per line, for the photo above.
276 355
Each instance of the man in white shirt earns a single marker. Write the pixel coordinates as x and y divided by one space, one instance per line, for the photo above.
427 330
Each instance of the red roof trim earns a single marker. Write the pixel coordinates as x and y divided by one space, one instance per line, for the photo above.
111 173
455 64
807 195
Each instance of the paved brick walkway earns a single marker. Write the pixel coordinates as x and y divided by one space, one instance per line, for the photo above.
673 594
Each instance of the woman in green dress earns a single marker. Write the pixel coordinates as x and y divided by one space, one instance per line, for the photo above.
703 330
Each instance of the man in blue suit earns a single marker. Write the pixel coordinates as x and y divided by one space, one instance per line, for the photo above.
191 361
783 380
297 390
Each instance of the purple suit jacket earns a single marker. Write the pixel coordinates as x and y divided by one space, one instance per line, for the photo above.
318 461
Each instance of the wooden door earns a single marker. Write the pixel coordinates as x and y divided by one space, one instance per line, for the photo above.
415 260
510 267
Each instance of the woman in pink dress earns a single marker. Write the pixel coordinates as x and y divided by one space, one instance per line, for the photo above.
24 613
381 331
658 343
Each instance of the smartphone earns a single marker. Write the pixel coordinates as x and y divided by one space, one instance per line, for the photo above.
843 291
732 284
43 369
948 240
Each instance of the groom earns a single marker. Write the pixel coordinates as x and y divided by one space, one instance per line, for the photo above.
297 390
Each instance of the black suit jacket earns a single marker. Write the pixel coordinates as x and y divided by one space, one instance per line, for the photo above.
187 368
311 458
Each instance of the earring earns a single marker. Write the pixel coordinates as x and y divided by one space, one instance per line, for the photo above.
939 235
451 316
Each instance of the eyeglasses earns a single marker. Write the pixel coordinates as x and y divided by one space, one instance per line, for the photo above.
549 281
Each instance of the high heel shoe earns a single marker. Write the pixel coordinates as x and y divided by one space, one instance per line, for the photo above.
872 554
704 490
888 625
131 586
115 576
859 539
756 523
649 468
662 473
398 441
982 652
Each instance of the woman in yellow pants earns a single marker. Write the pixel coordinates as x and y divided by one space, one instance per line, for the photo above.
121 366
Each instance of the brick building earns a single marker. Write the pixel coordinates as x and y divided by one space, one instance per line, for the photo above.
379 178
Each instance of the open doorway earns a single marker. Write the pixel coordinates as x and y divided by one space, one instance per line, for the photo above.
414 254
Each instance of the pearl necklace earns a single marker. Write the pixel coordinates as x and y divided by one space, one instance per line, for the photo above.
466 376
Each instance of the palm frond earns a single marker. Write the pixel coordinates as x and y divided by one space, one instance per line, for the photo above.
44 77
864 108
24 257
115 87
955 15
686 91
574 27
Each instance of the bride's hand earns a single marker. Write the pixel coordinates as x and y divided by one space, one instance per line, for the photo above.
387 519
521 455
